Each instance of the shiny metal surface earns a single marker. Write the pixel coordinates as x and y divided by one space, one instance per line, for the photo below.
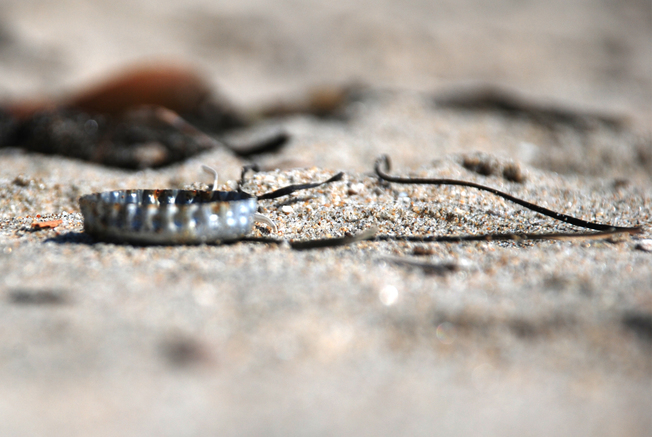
168 216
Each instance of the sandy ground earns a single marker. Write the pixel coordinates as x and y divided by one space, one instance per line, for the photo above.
530 338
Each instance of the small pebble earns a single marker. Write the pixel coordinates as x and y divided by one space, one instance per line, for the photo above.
356 188
645 245
422 250
512 172
287 209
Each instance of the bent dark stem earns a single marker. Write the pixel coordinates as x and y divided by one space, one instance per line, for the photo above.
370 235
319 243
285 190
293 188
384 160
509 236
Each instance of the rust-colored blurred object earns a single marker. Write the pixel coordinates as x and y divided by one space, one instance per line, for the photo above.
148 116
50 224
179 89
171 86
151 116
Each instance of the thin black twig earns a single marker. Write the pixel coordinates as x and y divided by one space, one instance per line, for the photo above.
317 243
270 144
285 190
509 236
294 188
604 230
370 235
245 168
384 161
437 268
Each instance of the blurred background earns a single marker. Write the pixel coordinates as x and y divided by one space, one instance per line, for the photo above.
593 53
553 339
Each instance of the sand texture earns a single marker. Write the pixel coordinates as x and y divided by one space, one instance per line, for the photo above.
378 338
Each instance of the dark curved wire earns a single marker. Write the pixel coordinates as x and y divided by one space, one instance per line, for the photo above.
509 236
384 159
370 235
285 190
319 243
292 188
